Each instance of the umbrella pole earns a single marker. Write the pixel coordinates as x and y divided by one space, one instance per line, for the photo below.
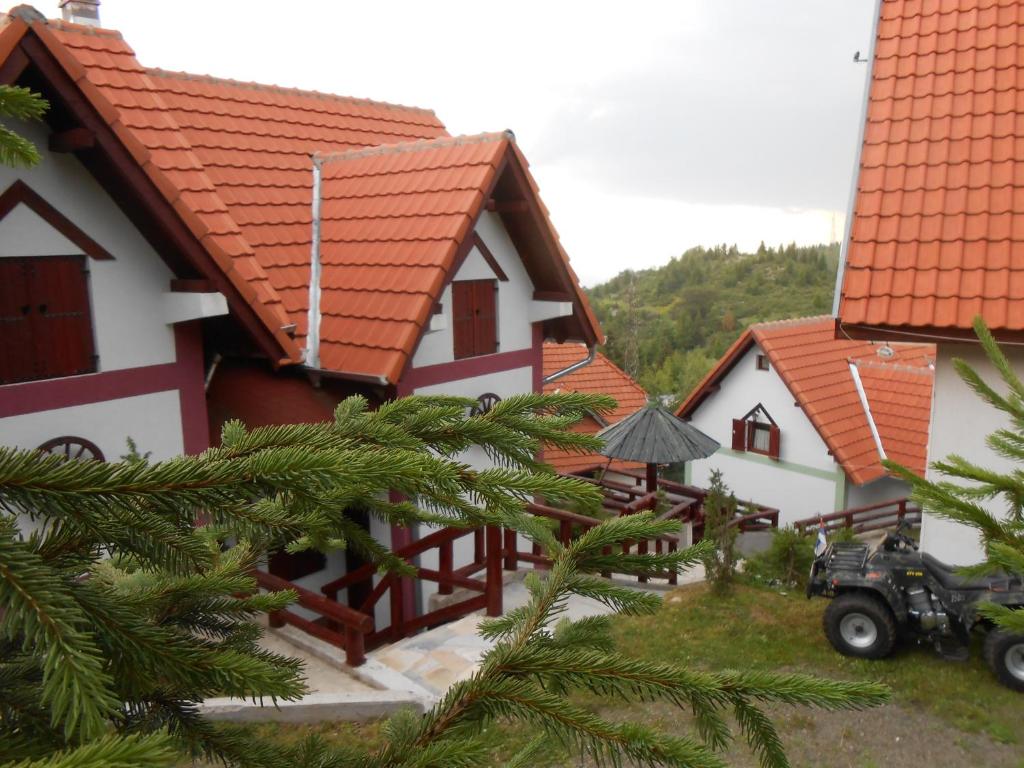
652 478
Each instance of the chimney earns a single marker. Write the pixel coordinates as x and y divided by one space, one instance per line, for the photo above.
81 11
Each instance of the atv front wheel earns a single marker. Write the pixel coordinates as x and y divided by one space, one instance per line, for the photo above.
1004 654
860 625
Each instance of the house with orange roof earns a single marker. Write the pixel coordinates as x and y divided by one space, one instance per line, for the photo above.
192 250
936 225
805 419
599 377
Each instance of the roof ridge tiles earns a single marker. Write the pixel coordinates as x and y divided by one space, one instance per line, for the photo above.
790 322
923 370
414 146
252 85
30 14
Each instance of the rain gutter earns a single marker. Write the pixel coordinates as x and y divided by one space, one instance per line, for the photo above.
591 354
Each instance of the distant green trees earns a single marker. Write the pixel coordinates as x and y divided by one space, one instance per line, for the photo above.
690 310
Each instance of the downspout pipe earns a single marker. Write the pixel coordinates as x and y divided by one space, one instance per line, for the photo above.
591 354
313 318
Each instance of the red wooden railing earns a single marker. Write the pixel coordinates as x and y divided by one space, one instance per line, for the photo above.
354 628
873 517
339 624
487 557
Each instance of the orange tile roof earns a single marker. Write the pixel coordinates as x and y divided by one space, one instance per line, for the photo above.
236 160
938 222
105 69
601 377
815 366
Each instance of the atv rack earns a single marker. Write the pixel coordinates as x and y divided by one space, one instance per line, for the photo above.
848 555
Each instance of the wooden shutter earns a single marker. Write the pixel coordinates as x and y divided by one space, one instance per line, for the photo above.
62 326
462 318
47 326
774 441
739 435
474 318
17 355
485 327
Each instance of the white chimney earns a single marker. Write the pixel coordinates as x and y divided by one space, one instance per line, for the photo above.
81 11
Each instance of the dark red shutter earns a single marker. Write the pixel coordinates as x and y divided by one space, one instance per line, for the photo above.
486 317
17 353
47 326
739 435
61 322
462 318
774 441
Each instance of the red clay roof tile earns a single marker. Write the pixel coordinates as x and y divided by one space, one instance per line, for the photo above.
601 377
815 366
234 159
941 177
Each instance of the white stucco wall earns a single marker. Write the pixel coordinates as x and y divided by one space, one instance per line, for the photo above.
803 482
515 331
128 325
960 423
153 421
883 489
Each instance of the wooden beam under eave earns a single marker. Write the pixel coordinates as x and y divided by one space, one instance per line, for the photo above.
552 296
510 206
72 140
200 285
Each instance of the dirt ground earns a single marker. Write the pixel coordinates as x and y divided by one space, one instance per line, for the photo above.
877 738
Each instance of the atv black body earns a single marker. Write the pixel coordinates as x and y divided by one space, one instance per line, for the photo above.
889 589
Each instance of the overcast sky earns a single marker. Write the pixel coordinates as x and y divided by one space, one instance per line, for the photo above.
651 127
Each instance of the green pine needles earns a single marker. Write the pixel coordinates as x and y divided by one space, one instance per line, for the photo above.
119 614
962 498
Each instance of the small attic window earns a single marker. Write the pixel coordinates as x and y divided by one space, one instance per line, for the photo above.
474 318
762 363
757 432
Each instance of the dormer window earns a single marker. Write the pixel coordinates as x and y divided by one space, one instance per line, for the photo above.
757 432
474 317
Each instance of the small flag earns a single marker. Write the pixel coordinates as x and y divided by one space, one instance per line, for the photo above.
822 542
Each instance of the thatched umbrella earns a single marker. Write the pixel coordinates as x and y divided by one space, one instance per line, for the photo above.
654 436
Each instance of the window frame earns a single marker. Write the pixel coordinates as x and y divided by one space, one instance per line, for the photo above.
475 329
746 429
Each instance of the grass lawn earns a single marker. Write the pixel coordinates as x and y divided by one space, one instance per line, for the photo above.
943 714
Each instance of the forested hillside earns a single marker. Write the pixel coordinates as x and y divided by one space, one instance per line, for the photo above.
669 325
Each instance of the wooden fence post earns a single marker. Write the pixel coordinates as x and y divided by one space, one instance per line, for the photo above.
445 563
494 580
511 549
355 647
397 608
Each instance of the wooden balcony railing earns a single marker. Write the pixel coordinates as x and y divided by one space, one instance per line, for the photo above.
874 517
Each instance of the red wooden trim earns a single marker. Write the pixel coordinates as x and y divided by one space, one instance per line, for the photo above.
13 66
538 358
72 140
709 383
188 353
20 193
192 286
465 369
185 374
489 258
507 206
132 189
924 334
552 296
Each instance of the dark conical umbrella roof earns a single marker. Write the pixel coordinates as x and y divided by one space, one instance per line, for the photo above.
654 436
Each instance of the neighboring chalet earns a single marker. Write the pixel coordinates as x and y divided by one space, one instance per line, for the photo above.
805 419
192 250
600 377
937 220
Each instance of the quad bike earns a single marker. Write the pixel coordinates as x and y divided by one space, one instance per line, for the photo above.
886 588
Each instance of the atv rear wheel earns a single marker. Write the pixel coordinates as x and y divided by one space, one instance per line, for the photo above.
1004 654
858 624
